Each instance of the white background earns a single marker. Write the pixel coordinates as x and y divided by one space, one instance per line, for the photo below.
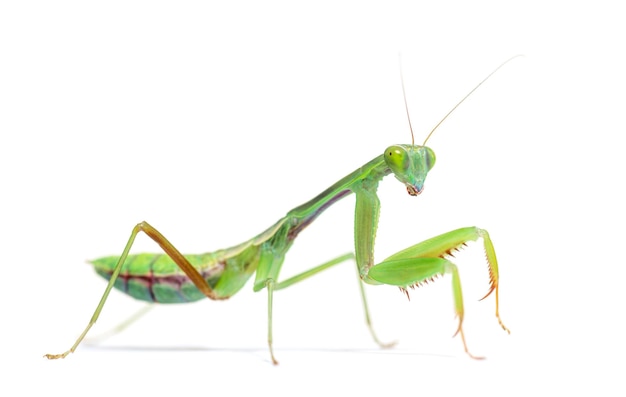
212 121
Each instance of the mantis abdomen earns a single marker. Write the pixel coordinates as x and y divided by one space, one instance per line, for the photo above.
156 277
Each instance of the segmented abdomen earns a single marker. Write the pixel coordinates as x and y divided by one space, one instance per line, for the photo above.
156 278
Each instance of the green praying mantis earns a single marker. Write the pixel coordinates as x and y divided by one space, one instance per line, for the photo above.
176 278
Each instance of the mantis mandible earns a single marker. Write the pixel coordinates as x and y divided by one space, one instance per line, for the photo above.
178 278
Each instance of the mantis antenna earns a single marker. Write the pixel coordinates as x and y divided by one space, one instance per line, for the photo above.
455 106
406 107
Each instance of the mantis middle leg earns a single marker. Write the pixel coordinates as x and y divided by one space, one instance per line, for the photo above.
273 286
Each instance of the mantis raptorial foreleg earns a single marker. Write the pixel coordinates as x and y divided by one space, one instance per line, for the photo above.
421 262
427 260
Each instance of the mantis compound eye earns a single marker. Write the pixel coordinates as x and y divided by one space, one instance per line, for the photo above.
429 158
397 159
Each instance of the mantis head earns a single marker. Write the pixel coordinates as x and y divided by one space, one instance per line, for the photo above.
410 165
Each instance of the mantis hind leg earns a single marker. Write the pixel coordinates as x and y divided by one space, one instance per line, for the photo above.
169 249
122 325
427 260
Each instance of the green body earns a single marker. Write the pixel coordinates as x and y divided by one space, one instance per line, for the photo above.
174 278
161 278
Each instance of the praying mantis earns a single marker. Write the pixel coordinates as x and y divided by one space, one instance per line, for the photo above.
176 278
